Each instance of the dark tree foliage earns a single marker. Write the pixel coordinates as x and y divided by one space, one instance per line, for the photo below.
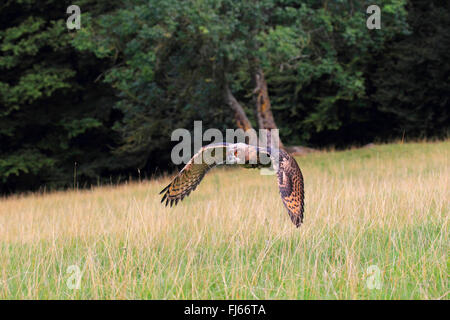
411 85
53 115
108 96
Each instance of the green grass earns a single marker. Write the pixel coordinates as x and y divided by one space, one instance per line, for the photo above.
386 206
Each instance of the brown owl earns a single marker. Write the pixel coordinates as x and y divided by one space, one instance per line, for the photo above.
290 178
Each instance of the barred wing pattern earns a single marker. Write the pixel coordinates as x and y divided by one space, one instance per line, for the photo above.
190 176
290 179
290 182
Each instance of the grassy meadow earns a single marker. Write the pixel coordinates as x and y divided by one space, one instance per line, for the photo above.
375 227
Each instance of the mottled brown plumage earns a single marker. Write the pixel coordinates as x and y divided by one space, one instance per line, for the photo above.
190 176
290 183
290 179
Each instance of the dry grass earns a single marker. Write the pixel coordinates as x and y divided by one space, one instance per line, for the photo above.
387 206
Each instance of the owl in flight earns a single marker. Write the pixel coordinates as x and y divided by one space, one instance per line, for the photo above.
290 178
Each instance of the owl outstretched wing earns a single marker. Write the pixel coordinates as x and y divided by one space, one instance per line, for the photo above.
290 183
193 172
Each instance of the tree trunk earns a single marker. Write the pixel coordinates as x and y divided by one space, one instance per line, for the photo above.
239 113
263 111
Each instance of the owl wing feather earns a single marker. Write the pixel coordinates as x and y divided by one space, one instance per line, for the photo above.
191 175
290 183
